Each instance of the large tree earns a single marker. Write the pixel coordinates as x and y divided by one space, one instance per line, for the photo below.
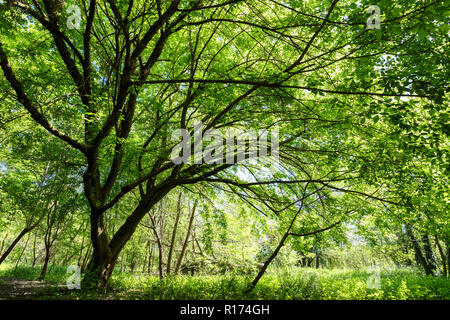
114 79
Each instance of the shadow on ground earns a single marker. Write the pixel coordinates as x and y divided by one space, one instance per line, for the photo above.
18 289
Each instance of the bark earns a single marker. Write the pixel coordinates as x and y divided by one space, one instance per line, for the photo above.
14 243
150 257
104 253
101 265
442 254
174 233
418 252
269 260
186 240
448 259
160 247
34 251
47 244
44 267
160 260
428 253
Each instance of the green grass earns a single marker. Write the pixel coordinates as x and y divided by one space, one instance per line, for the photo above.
293 283
55 274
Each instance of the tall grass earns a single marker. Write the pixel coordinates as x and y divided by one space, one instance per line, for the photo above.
55 274
287 283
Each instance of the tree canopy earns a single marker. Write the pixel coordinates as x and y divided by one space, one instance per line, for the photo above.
93 90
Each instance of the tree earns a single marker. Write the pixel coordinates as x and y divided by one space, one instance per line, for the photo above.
58 216
115 90
30 203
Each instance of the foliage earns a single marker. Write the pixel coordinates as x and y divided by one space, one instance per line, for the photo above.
287 284
87 116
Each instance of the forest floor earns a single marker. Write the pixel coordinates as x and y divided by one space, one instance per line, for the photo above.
24 289
20 283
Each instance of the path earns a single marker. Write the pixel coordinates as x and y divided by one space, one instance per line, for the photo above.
19 289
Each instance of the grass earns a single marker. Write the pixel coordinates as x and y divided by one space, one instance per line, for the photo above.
55 274
287 284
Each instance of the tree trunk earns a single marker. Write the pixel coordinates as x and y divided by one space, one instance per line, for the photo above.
34 251
442 254
150 256
48 241
48 244
100 267
281 244
418 253
429 253
174 233
104 253
46 260
14 243
186 240
448 259
268 261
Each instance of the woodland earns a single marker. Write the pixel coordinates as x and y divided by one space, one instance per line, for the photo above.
351 202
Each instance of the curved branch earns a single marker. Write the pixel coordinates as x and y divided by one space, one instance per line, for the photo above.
26 102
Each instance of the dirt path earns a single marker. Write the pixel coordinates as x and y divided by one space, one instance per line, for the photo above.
18 289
